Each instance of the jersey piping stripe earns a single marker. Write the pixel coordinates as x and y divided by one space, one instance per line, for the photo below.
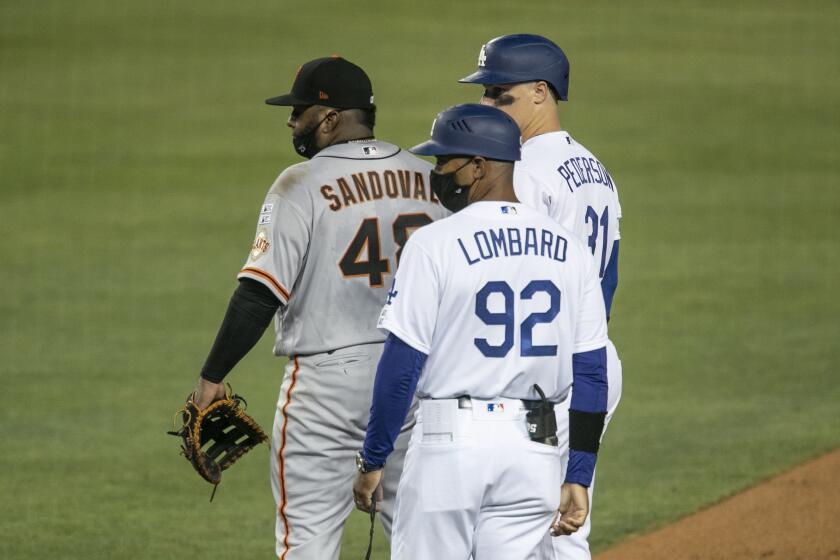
281 458
359 158
266 276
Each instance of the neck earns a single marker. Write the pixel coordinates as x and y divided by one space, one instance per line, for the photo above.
350 134
500 188
544 121
506 195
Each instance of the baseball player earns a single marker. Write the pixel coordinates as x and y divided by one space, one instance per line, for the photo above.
329 235
525 76
494 313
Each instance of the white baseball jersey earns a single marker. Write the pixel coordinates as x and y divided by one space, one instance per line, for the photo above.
498 295
562 179
329 235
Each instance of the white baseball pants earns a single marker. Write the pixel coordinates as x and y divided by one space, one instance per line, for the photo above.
474 485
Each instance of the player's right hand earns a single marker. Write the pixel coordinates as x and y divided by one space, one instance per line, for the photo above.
574 507
366 487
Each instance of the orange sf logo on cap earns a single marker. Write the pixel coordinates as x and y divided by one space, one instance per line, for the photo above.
323 95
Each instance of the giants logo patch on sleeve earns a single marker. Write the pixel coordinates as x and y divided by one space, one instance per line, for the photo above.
261 245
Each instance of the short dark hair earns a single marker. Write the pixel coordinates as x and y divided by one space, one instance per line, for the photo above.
365 117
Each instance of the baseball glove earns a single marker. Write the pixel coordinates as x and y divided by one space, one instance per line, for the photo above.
216 437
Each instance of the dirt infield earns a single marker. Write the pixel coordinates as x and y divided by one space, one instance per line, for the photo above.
795 516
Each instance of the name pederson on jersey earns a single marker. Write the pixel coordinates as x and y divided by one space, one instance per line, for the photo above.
329 235
562 179
500 297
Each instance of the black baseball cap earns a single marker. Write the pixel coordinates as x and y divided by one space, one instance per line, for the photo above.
331 81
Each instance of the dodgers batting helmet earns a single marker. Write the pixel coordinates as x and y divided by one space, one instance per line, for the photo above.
472 130
512 59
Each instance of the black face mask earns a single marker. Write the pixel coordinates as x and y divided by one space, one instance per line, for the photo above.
305 143
452 195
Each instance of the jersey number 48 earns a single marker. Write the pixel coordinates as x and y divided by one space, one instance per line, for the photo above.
363 256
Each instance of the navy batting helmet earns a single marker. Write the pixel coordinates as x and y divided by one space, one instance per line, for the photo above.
512 59
472 130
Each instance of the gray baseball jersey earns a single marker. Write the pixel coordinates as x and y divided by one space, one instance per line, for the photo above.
329 237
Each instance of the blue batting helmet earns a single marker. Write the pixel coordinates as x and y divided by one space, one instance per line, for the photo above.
472 130
512 59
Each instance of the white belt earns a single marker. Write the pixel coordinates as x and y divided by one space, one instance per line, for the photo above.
444 419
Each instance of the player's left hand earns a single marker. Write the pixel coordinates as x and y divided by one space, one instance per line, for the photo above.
364 487
574 507
206 392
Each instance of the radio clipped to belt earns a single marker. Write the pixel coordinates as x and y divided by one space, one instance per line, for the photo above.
540 419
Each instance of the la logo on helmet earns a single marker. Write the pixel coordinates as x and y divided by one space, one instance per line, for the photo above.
482 57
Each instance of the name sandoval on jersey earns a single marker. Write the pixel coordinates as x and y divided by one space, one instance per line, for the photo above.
373 185
513 242
579 171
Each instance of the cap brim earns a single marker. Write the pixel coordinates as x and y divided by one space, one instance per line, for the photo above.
487 77
286 100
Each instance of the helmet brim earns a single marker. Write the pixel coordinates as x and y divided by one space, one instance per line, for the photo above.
485 77
434 148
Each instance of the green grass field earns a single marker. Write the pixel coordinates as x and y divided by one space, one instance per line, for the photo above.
135 151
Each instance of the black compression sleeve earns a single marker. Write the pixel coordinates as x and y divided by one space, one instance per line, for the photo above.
585 429
249 313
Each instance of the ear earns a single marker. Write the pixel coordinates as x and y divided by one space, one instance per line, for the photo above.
479 167
540 92
333 119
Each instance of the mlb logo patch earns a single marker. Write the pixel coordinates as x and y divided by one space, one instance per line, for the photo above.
369 150
495 407
509 210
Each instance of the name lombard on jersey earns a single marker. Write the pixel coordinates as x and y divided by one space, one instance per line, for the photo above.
512 242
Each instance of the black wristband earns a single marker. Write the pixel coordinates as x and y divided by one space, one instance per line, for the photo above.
250 311
585 430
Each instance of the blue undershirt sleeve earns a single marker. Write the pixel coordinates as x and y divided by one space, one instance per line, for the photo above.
586 414
393 389
589 370
610 280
